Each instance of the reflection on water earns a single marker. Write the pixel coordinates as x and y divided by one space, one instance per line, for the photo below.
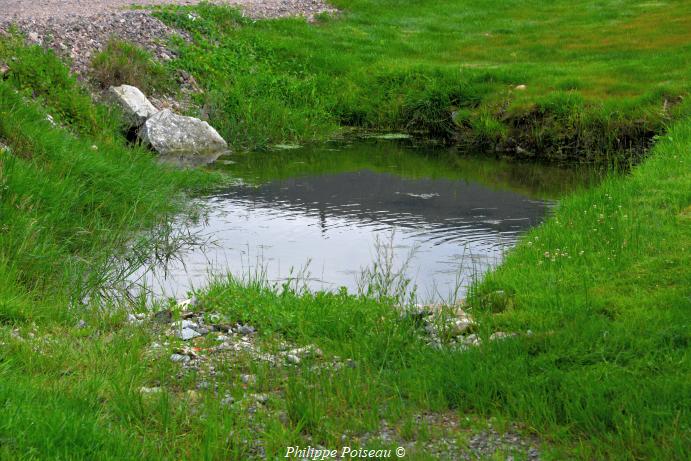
326 207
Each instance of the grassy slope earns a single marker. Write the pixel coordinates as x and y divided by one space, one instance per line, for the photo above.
597 76
70 193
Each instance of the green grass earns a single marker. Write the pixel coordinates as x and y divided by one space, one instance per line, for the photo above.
600 79
72 192
604 288
124 63
603 285
604 374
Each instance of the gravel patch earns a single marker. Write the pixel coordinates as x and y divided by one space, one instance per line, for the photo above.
44 10
448 440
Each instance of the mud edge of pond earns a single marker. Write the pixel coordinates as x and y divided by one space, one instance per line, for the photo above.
546 137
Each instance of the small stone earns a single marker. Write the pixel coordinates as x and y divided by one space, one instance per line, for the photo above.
149 390
132 319
94 147
244 330
188 324
202 330
501 335
33 37
187 333
179 358
227 400
472 340
292 358
261 398
248 379
81 324
520 87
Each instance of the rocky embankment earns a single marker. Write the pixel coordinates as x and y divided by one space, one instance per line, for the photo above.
79 29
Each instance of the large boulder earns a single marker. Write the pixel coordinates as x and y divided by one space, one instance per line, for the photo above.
135 105
170 134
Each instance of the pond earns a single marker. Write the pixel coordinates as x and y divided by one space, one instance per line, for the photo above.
324 217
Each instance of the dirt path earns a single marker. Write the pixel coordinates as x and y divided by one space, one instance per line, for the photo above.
45 10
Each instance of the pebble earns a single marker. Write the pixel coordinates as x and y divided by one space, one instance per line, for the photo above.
227 400
81 324
149 390
261 398
244 330
180 358
292 358
188 324
187 333
248 379
501 335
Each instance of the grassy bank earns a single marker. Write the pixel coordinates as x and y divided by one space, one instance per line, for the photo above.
71 190
603 286
528 78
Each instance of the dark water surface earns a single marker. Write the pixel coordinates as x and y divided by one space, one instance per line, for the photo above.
326 213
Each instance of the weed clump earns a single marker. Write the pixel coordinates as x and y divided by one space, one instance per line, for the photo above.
124 63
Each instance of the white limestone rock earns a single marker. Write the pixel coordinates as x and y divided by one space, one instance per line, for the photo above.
170 134
136 107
